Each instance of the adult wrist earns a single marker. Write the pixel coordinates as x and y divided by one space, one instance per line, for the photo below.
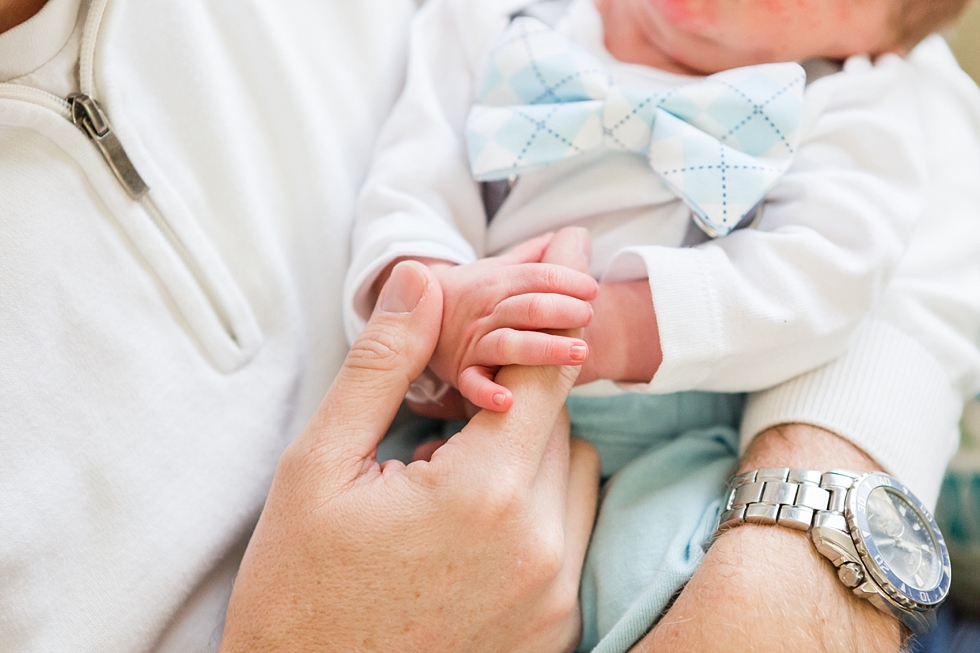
888 395
809 447
762 586
802 446
883 541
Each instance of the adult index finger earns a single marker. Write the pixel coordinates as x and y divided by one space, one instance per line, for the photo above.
392 351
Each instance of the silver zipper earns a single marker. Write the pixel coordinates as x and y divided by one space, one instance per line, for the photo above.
91 119
88 116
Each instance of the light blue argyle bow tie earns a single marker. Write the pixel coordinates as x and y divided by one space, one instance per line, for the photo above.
719 143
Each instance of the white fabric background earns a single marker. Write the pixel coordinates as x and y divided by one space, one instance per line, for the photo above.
139 428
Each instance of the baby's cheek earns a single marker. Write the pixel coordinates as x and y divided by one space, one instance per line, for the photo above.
686 14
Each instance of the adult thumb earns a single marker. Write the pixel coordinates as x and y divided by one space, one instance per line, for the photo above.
392 350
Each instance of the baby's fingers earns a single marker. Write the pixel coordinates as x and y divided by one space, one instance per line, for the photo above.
535 311
530 251
476 384
511 347
545 278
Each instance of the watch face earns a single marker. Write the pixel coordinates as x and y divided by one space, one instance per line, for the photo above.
899 541
904 539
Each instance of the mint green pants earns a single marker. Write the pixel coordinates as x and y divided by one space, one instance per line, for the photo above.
666 460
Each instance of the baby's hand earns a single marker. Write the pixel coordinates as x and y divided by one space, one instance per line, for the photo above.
494 311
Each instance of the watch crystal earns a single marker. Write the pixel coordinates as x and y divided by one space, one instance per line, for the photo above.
904 538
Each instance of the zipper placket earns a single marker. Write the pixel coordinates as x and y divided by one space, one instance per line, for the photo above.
87 114
84 111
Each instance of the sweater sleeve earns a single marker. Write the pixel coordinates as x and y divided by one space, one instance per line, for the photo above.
762 305
898 392
419 199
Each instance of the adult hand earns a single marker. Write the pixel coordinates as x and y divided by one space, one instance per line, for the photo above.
764 588
478 549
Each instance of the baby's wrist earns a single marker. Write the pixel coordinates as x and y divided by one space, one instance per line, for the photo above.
623 339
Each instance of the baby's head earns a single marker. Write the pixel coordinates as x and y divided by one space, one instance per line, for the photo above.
707 36
917 19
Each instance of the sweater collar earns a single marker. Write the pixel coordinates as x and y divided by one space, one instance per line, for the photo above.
33 43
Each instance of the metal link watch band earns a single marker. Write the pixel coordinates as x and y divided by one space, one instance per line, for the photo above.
795 498
835 510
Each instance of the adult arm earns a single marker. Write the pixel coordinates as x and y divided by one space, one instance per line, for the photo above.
766 589
478 548
894 398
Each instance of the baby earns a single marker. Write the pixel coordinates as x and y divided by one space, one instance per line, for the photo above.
741 229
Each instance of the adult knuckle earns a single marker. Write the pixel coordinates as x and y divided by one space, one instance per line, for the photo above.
545 558
377 350
562 605
567 376
551 552
504 502
542 554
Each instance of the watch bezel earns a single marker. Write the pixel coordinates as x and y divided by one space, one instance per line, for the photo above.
882 574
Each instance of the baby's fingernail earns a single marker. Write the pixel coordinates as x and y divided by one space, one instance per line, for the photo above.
578 352
403 290
499 398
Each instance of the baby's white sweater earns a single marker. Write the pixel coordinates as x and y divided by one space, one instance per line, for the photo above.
856 299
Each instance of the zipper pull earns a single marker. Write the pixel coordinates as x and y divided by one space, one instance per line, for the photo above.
91 119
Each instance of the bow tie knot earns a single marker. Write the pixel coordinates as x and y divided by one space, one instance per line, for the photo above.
719 143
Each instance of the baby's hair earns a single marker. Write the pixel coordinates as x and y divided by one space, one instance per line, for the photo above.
917 19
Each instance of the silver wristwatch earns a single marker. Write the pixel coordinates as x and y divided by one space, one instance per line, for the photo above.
884 542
